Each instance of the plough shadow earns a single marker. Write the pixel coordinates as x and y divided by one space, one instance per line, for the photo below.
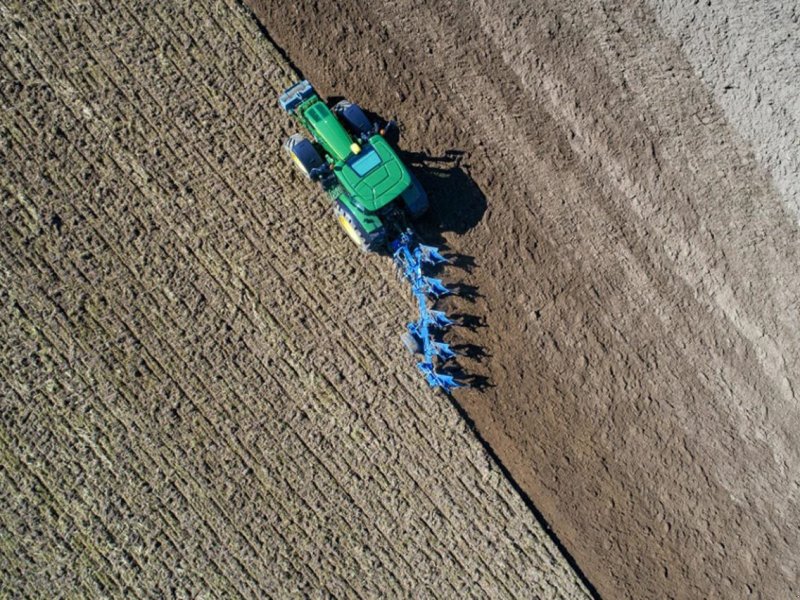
456 205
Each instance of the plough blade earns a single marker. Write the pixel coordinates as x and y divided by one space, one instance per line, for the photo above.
430 255
443 350
446 382
434 379
434 287
439 319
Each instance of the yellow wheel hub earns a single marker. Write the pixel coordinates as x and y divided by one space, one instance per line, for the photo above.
298 163
350 230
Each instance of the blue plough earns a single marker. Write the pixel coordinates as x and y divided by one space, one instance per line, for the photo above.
410 256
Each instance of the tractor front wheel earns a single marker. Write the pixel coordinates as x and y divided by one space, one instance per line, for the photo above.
353 117
303 153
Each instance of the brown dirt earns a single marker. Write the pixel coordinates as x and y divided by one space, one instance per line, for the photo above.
636 275
201 388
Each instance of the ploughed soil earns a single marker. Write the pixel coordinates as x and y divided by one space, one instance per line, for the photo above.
630 281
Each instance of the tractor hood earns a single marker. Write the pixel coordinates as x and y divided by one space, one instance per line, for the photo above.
375 176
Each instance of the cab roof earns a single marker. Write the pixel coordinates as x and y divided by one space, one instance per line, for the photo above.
375 176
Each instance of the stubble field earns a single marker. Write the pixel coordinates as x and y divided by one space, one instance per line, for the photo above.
203 392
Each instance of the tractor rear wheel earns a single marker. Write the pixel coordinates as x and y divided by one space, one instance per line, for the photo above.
366 242
303 153
415 199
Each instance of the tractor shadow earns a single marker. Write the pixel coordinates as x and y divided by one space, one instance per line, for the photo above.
456 206
457 203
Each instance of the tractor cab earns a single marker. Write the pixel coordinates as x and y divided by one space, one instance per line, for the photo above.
373 174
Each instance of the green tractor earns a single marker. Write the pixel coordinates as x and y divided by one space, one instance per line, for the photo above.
374 193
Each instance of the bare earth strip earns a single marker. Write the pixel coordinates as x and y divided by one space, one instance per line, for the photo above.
202 393
748 55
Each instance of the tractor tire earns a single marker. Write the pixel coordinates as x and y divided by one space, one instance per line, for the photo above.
411 343
366 242
303 153
415 198
353 117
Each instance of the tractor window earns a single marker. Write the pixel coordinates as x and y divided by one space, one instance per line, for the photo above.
317 112
364 163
